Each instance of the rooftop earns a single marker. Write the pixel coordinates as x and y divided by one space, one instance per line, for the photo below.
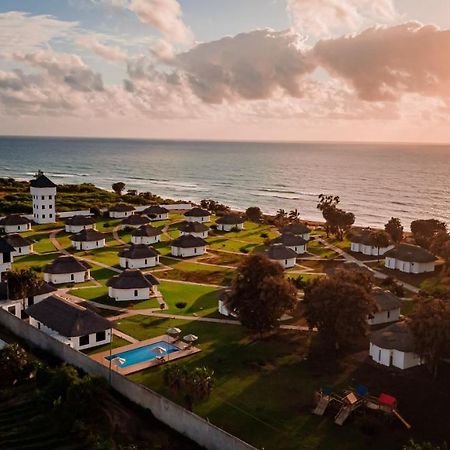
42 182
155 209
80 220
16 240
138 251
279 252
135 219
192 227
133 279
14 219
197 212
121 207
230 219
397 336
66 264
385 300
146 231
410 253
295 228
5 247
87 235
188 241
289 240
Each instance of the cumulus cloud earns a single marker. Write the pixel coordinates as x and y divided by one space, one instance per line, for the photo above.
382 63
318 18
107 52
249 66
163 51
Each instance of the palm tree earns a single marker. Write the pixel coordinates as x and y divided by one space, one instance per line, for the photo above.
281 217
294 215
380 239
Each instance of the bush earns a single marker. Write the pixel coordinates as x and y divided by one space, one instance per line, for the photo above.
181 305
244 250
264 235
106 225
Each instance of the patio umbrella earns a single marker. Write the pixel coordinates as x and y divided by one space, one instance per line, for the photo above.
190 338
173 331
159 350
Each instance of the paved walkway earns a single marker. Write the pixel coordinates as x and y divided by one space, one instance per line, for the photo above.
127 337
116 236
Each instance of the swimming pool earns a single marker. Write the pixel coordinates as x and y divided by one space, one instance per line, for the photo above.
142 354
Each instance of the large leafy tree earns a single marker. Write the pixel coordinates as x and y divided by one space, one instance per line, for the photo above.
260 294
395 229
338 305
14 365
380 239
430 325
440 245
254 214
23 283
337 221
425 230
193 384
118 187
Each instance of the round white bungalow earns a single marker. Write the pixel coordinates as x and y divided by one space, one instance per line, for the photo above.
230 222
135 221
146 234
132 285
293 242
388 306
282 255
299 229
187 245
15 224
120 211
196 229
363 242
67 269
6 255
75 224
22 245
197 215
156 212
394 346
410 259
138 256
89 239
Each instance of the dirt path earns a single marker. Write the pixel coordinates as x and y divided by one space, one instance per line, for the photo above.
116 236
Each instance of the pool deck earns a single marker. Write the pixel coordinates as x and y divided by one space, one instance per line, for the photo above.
185 350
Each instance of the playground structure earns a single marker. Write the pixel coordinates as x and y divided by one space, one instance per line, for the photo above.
352 399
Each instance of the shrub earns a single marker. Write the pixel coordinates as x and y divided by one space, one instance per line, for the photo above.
106 225
264 235
181 305
244 250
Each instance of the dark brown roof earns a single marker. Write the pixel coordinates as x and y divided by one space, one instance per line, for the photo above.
410 253
66 264
121 207
197 212
192 227
80 220
133 279
42 182
14 219
138 251
362 237
289 240
155 209
44 288
230 219
397 336
296 228
146 230
279 252
67 319
16 240
385 300
135 219
188 241
5 247
87 235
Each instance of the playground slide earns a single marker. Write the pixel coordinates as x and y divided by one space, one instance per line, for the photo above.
322 406
342 415
402 420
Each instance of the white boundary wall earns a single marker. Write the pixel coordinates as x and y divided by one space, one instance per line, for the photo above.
185 422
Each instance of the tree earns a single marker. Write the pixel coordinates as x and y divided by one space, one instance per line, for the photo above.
425 230
260 294
215 207
380 239
194 385
294 215
440 245
337 221
338 306
22 284
395 229
13 364
413 445
281 218
118 187
254 214
430 325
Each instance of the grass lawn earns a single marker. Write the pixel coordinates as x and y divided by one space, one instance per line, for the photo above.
222 258
42 243
117 342
106 255
34 261
318 249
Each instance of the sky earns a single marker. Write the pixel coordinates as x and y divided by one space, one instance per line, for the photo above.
291 70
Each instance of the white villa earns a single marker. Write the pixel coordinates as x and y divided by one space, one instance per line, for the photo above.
67 269
156 212
22 245
187 246
15 224
197 215
77 327
394 346
146 235
75 224
135 221
138 256
286 257
363 242
43 193
196 229
293 242
388 307
410 259
299 229
132 285
230 222
6 255
88 239
120 211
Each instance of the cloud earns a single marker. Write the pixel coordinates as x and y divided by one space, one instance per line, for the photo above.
382 63
318 18
247 66
107 52
163 51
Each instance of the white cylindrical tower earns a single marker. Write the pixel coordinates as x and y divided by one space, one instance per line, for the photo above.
43 193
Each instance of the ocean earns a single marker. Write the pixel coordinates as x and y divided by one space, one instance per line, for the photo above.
374 181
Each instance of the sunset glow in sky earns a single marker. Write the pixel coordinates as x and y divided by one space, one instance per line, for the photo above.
359 70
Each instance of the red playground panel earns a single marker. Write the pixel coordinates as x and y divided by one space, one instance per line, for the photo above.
387 400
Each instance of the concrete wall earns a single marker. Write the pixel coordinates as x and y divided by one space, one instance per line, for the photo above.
185 422
138 263
120 215
409 267
146 240
299 249
77 228
394 358
25 250
66 214
203 234
43 204
187 252
286 263
17 228
385 317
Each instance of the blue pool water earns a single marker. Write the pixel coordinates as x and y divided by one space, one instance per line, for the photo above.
142 354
